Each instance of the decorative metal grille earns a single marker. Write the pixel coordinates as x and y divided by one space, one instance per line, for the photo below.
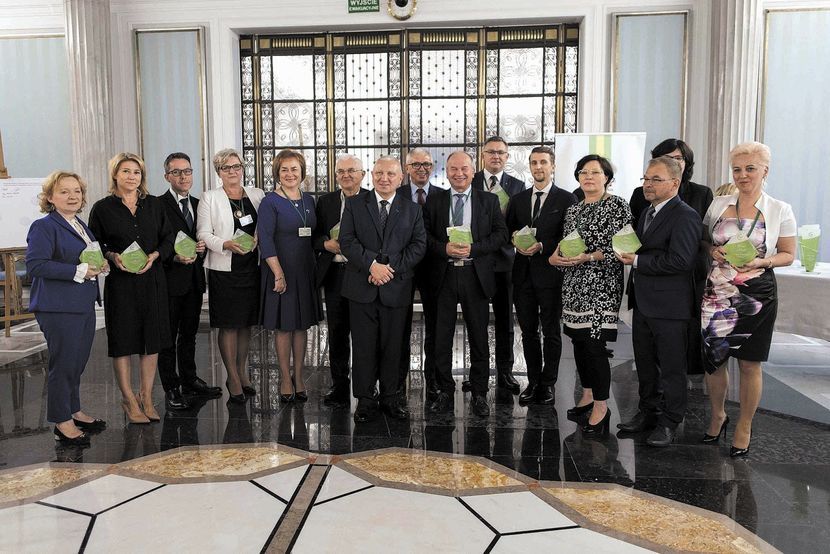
373 94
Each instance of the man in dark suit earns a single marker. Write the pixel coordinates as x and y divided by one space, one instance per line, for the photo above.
419 169
463 273
331 267
185 288
661 293
494 156
382 235
537 285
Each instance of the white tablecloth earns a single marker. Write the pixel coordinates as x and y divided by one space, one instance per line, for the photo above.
804 300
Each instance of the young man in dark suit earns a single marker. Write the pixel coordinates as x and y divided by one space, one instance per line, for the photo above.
661 293
331 267
463 273
494 156
185 288
382 236
537 285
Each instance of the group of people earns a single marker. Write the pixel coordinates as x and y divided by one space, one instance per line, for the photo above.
366 252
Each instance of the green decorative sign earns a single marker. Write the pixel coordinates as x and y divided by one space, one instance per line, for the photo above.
360 6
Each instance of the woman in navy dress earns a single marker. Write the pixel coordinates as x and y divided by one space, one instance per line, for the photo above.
63 301
289 298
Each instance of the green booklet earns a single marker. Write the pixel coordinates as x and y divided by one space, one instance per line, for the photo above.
625 241
739 250
334 232
460 235
185 246
244 240
572 245
524 238
503 197
92 256
808 239
133 258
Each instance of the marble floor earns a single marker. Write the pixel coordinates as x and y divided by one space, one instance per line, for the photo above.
305 477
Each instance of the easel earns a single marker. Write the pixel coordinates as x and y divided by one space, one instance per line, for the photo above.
12 291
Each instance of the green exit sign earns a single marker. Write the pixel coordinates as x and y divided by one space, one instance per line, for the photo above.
360 6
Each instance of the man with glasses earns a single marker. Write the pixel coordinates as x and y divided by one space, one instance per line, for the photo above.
419 167
331 266
494 156
661 293
185 288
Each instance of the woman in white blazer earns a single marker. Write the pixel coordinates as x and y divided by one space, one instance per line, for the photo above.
233 272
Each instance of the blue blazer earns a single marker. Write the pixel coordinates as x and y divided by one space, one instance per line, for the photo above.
51 260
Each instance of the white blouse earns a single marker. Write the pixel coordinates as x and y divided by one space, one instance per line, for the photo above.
779 218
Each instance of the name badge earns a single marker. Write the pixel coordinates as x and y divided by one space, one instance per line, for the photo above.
246 220
304 231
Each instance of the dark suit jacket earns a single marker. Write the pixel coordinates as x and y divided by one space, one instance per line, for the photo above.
422 270
489 235
362 239
182 278
663 285
51 260
549 227
503 260
328 215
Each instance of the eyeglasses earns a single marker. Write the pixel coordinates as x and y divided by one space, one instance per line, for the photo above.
586 173
229 168
420 165
655 180
496 152
350 171
180 172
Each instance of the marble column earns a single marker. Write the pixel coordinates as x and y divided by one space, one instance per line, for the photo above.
737 47
90 89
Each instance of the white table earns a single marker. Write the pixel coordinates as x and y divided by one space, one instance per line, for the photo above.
804 300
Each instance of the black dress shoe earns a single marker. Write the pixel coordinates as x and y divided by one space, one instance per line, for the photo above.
248 390
528 394
197 387
479 405
301 396
735 452
577 411
641 422
364 412
80 440
432 391
507 381
174 400
661 436
337 395
544 395
394 410
443 402
237 398
466 386
92 426
600 428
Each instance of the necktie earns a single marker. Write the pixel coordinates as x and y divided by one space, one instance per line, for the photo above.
186 213
537 205
458 211
493 182
421 197
649 218
384 215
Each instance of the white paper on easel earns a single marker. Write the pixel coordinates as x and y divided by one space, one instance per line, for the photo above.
18 209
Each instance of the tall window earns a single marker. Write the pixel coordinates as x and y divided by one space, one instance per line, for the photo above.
372 94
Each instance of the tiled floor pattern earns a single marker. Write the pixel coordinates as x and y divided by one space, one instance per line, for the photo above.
391 500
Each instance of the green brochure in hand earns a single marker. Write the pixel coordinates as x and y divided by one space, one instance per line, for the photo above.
244 240
739 250
334 232
524 238
808 238
625 241
503 197
185 246
572 245
92 256
133 258
460 235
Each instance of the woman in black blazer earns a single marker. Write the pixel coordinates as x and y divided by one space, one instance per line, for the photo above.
63 301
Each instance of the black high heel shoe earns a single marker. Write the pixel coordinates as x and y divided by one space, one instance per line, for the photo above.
708 439
577 411
740 452
600 428
301 395
80 440
248 390
94 425
235 398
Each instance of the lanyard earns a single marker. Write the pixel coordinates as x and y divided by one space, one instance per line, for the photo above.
302 213
740 222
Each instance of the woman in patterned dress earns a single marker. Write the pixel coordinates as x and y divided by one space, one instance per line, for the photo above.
593 286
740 303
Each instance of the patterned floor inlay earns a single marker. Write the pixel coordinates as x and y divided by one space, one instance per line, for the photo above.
28 483
214 462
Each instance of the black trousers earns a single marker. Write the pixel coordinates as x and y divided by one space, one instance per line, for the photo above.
502 303
428 300
593 366
377 336
184 324
535 305
660 355
339 327
461 285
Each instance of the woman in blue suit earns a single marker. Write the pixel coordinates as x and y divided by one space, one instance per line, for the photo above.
63 300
